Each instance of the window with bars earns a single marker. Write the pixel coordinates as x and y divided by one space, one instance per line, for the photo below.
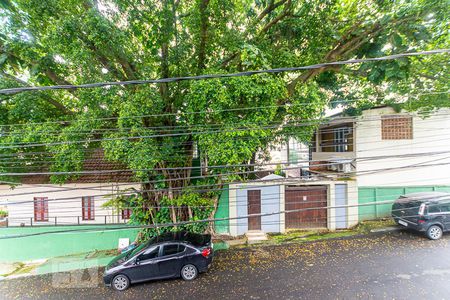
396 128
41 209
87 208
126 213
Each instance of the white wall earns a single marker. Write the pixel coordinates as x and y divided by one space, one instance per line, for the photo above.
352 202
238 201
431 134
279 155
66 211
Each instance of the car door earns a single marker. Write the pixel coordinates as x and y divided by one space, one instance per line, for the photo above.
145 266
169 263
445 211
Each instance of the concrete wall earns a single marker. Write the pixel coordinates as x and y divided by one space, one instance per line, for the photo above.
95 237
223 211
270 202
271 193
64 203
429 135
369 196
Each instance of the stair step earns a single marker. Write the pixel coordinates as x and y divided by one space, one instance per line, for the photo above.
255 236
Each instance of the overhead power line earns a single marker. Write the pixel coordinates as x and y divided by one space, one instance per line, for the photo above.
377 157
208 187
209 111
47 157
213 76
161 225
309 122
240 201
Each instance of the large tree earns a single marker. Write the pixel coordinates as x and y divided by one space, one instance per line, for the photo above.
53 42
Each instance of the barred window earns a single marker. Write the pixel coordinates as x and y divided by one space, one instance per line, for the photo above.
87 208
396 128
40 209
126 213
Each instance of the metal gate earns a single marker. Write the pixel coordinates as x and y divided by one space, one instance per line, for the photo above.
341 200
311 201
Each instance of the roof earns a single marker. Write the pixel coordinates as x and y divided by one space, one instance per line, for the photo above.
96 161
342 118
195 239
426 196
271 177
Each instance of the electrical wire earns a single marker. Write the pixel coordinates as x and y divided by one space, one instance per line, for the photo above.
181 223
309 122
202 188
365 159
216 76
209 111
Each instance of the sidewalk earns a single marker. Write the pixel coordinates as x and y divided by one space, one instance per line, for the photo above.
56 264
103 257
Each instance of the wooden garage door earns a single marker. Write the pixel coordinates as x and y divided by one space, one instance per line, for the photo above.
306 197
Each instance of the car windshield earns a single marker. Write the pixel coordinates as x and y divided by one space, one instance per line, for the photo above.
137 250
407 204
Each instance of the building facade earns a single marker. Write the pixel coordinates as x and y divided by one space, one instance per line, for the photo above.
279 204
388 153
37 202
68 204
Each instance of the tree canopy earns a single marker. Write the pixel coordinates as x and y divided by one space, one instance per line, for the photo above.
50 42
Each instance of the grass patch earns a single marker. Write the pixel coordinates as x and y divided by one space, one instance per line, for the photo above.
329 235
298 236
308 235
290 236
102 253
21 268
367 226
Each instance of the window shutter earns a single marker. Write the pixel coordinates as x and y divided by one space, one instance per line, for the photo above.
87 208
40 209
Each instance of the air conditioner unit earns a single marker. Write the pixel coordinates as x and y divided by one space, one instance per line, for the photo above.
342 166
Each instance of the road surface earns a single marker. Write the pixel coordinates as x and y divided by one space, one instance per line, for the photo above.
398 265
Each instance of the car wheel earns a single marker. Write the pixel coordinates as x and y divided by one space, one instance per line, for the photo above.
189 272
434 232
120 282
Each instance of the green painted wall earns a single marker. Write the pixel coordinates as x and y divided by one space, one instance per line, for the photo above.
223 211
379 194
58 244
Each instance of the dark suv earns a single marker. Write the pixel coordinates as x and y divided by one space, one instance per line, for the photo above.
427 212
166 256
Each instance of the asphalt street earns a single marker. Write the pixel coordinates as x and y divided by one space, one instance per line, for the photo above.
398 265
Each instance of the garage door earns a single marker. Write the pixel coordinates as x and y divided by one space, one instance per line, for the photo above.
313 199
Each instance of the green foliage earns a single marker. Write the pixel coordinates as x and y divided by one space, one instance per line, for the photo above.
200 206
150 128
3 214
279 171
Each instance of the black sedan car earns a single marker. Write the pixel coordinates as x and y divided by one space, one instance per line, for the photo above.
166 256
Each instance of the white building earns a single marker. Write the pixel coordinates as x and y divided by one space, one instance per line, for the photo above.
281 204
389 153
292 156
37 202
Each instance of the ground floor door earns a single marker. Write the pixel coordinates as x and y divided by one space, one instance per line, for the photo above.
309 207
341 200
254 207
